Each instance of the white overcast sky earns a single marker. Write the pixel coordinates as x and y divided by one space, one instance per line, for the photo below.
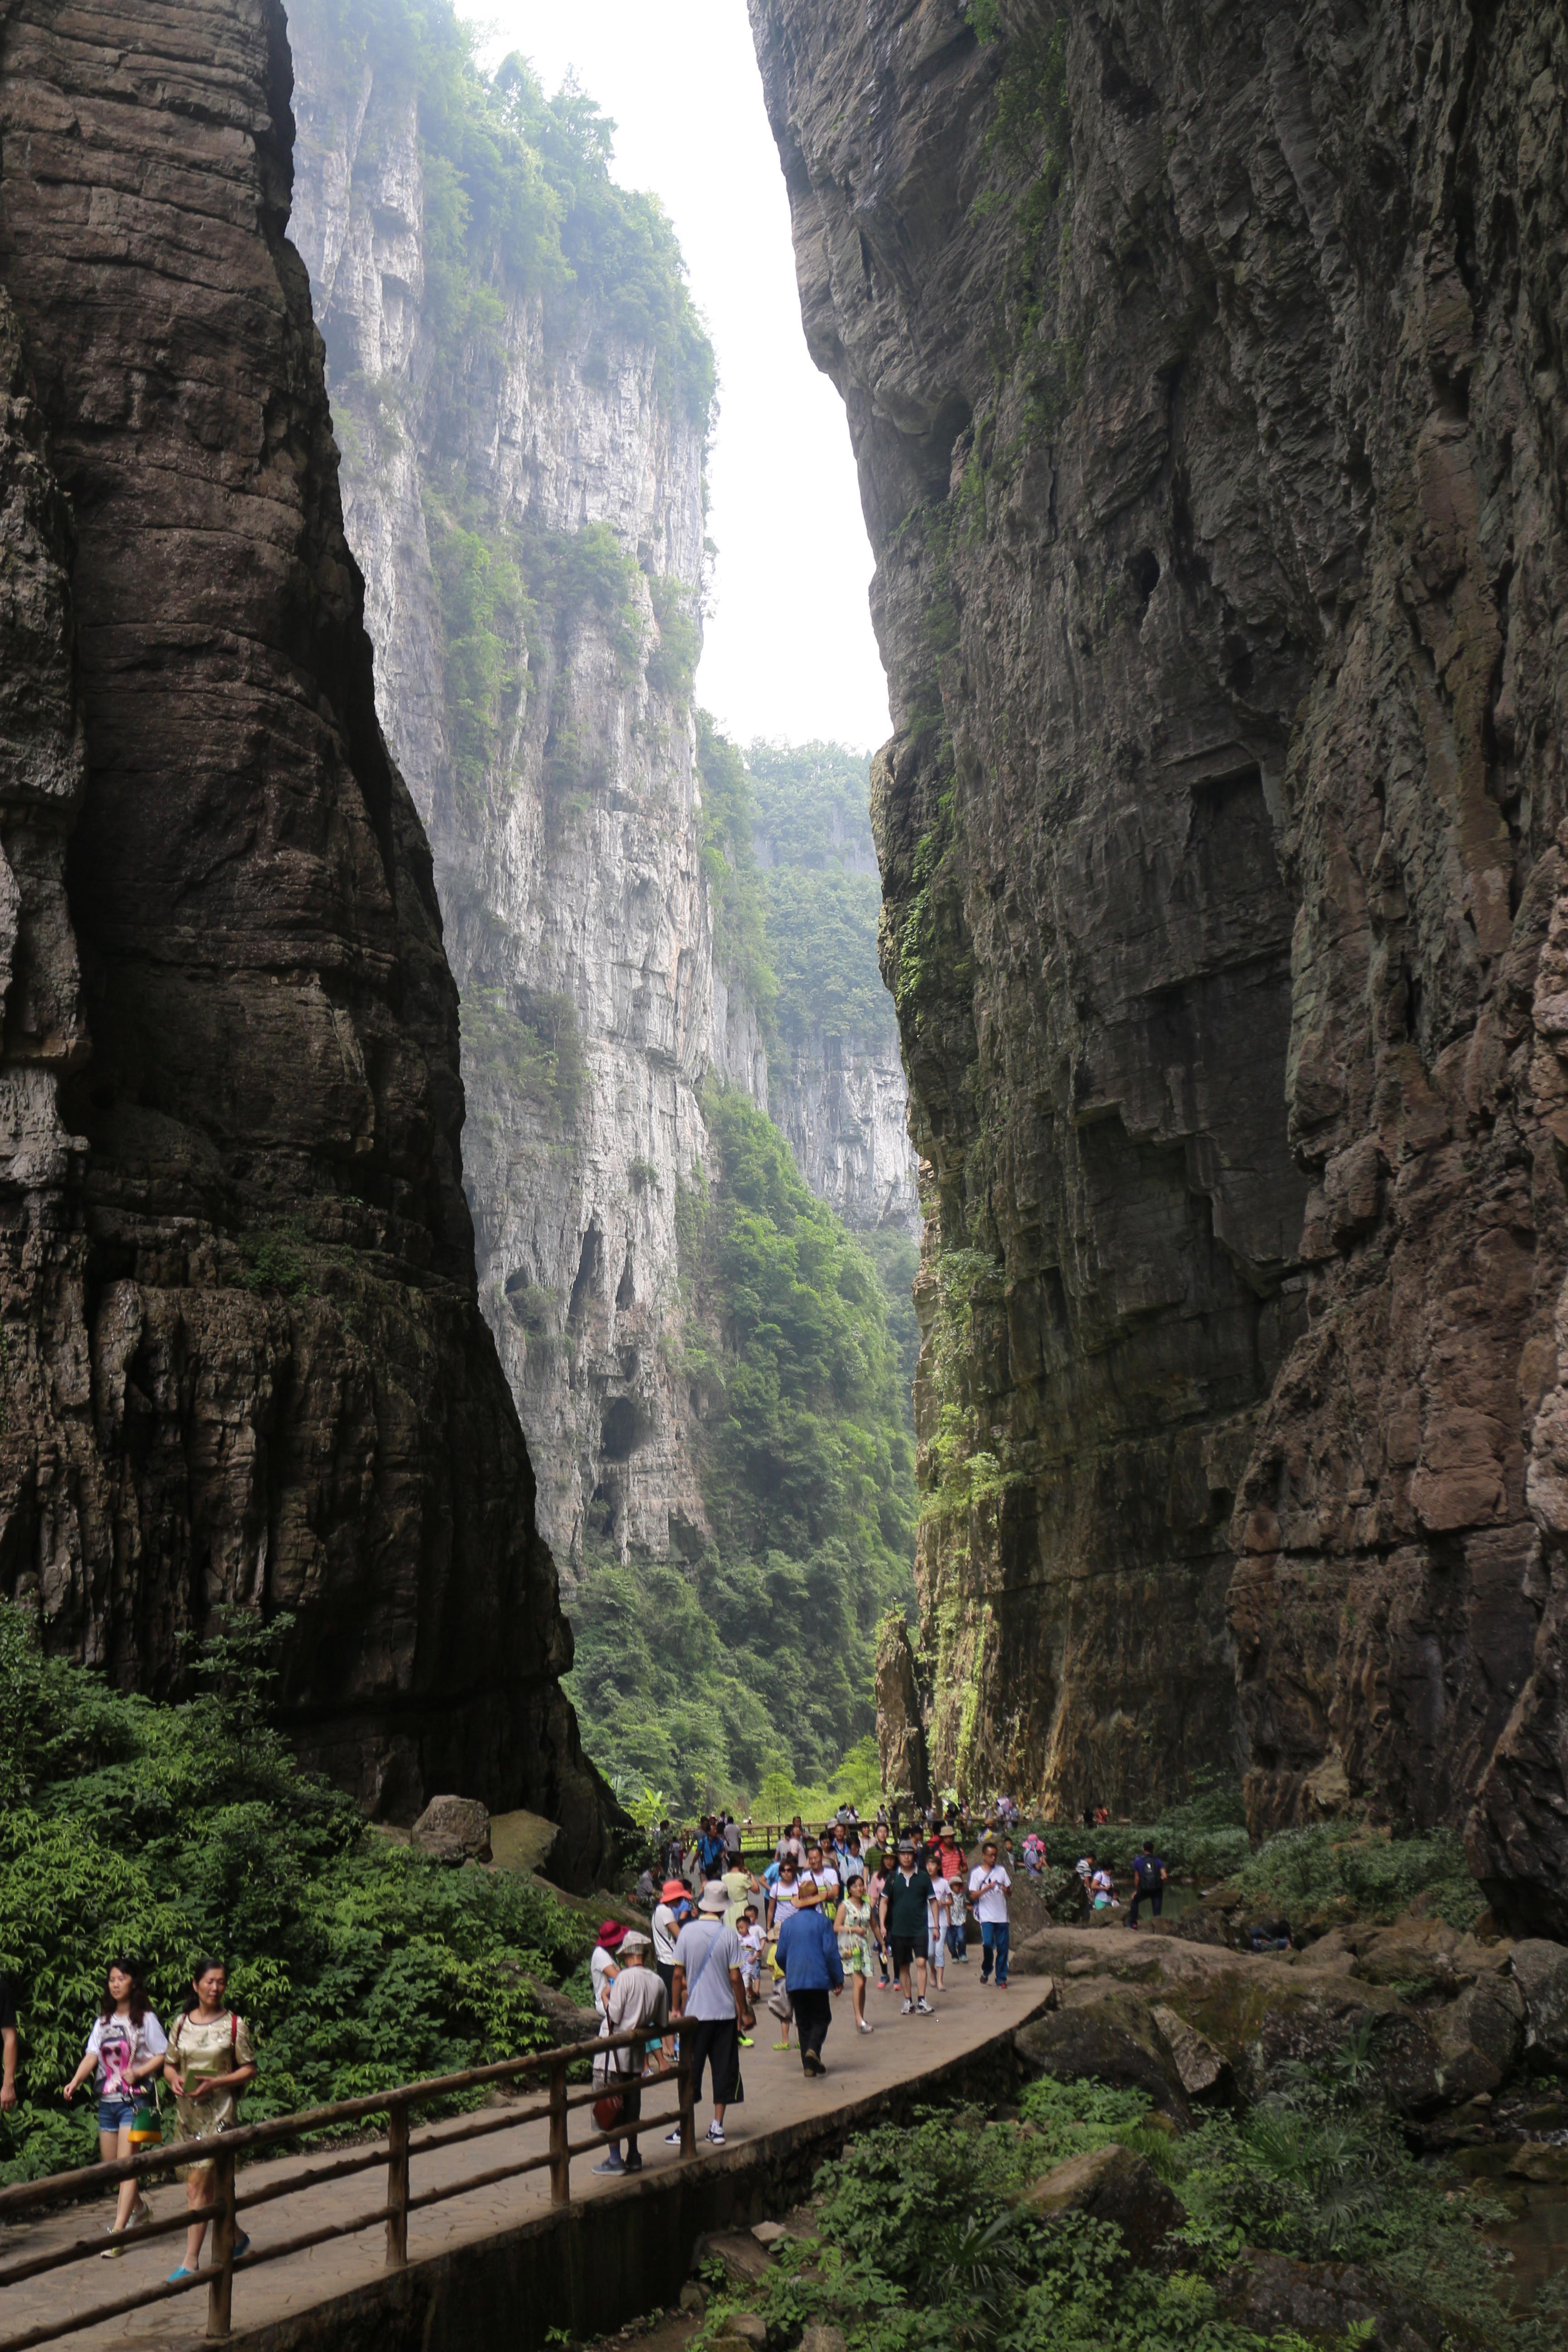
789 652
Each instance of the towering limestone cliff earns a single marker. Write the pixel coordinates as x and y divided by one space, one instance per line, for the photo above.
242 1354
522 391
836 1077
1204 371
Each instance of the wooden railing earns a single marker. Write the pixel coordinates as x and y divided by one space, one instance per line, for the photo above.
229 2196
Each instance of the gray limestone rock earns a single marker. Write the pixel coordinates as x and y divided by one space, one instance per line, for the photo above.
1541 1972
453 1828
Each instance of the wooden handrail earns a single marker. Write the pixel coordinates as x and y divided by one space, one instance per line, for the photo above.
227 2198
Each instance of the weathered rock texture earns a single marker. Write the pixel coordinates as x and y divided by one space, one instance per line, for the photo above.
243 1358
570 875
1205 374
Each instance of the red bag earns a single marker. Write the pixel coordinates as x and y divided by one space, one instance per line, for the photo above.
607 2111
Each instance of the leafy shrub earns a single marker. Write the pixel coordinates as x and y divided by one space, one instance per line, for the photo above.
1363 1874
672 664
919 2239
171 1831
529 1041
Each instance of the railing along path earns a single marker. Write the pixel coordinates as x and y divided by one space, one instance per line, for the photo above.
229 2198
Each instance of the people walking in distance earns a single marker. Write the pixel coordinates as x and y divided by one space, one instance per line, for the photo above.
732 1836
739 1887
208 2063
10 2040
126 2048
853 1928
906 1906
822 1873
1148 1881
786 1894
636 1998
791 1842
876 1884
710 1993
939 1914
1084 1868
710 1847
754 1944
670 1914
988 1886
813 1970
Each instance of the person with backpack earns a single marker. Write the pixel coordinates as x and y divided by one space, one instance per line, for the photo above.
208 2063
1149 1877
126 2046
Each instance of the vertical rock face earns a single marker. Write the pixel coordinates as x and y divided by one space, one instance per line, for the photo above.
569 850
843 1102
1206 380
244 1360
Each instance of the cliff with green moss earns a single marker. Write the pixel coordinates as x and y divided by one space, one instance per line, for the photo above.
1206 380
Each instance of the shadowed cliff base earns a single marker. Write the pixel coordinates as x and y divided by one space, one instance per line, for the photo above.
243 1360
1205 384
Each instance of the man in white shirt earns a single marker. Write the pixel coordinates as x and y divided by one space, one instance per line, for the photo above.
636 1998
710 1992
988 1884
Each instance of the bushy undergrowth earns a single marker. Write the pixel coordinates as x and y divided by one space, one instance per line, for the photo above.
164 1832
921 2239
1362 1873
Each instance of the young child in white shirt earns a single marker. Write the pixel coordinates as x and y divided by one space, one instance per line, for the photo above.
754 1943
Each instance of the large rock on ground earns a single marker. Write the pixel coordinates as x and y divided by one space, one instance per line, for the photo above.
1541 1972
1113 2040
246 1365
453 1828
1271 2294
1110 2184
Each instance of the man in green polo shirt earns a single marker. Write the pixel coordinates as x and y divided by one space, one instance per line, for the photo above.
906 1925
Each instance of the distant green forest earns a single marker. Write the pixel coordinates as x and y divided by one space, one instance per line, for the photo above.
820 889
698 1681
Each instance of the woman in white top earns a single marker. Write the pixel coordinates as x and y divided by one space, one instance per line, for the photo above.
939 1910
126 2048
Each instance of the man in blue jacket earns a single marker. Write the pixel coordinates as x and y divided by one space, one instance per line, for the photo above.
808 1955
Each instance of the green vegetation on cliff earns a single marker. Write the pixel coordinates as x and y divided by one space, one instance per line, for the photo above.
518 195
822 894
700 1680
164 1833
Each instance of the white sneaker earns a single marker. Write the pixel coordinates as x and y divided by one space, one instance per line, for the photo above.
716 2135
672 2139
923 2007
864 2027
909 2009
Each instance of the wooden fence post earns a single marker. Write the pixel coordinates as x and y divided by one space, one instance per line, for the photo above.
688 2101
220 2293
560 2159
398 2185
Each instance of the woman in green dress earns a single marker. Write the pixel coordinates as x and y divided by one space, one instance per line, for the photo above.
209 2062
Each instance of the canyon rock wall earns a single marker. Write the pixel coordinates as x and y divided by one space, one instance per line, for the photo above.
569 856
242 1353
844 1104
1204 371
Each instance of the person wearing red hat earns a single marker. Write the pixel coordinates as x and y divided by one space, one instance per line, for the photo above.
602 1965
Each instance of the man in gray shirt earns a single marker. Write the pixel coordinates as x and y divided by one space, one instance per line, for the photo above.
710 1992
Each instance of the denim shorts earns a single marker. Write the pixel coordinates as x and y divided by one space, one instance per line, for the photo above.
118 2115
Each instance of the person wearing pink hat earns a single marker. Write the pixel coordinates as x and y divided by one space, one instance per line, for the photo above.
603 1966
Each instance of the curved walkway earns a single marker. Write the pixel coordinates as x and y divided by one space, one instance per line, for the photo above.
779 2097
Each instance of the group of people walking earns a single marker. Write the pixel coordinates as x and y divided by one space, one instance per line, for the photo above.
827 1911
204 2064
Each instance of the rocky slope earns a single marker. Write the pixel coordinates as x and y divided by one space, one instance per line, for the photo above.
242 1352
1205 376
569 838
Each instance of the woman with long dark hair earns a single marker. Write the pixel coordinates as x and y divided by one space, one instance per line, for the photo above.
126 2047
209 2063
